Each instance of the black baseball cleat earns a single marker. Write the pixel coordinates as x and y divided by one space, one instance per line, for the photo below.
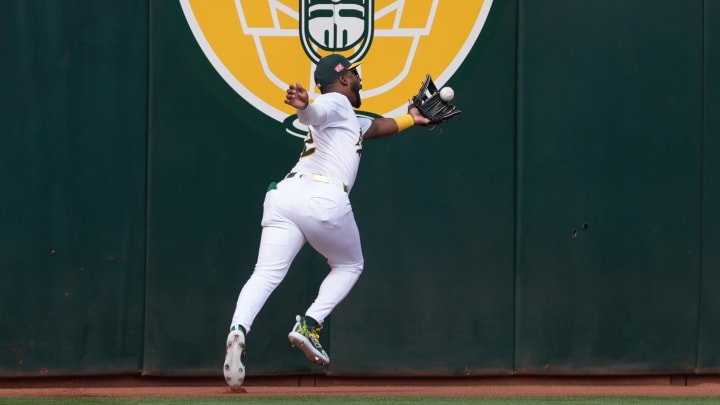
305 337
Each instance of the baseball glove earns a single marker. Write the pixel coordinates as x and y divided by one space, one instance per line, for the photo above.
428 101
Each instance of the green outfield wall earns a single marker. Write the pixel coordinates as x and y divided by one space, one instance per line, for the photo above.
565 224
73 169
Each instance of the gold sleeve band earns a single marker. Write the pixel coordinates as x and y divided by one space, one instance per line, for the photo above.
404 122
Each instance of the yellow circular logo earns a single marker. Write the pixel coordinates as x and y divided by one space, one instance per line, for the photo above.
259 47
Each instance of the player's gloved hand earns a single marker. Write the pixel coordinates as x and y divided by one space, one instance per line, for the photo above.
418 117
430 104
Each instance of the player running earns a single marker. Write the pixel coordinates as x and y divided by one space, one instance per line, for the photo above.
311 204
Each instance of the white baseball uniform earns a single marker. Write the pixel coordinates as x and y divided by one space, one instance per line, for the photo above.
312 205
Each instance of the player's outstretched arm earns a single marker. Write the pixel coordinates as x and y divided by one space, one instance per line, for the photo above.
308 114
382 127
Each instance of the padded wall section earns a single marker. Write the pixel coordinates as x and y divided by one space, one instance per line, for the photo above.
434 210
610 128
72 180
709 352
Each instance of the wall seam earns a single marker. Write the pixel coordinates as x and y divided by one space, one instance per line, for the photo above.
147 179
517 164
703 132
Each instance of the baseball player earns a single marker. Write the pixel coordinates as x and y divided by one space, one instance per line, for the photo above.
311 204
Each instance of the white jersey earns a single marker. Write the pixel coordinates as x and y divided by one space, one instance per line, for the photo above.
333 148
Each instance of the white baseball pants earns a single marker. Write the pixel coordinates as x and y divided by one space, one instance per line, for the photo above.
303 210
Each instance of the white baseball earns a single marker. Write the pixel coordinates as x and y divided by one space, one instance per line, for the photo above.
447 94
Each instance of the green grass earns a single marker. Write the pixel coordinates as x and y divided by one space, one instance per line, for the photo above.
317 400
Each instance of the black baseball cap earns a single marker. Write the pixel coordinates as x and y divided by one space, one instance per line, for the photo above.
331 67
